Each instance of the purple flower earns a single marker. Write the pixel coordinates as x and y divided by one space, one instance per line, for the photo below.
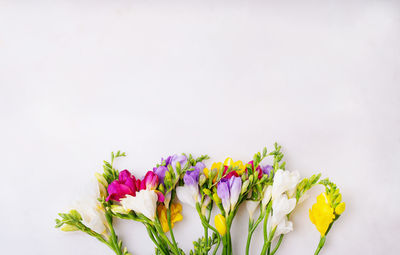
192 177
178 158
228 190
167 161
266 169
160 172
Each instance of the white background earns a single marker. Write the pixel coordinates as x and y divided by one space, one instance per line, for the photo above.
82 78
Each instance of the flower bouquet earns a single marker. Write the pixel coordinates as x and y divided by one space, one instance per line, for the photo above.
154 200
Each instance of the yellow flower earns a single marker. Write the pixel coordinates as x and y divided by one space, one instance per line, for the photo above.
176 215
238 166
321 214
220 224
340 208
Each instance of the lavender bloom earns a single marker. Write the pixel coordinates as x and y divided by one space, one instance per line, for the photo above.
160 172
178 158
228 191
224 194
235 186
192 177
266 169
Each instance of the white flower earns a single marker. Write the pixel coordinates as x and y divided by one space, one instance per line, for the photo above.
92 212
284 181
281 207
266 197
93 215
283 227
251 207
188 194
145 202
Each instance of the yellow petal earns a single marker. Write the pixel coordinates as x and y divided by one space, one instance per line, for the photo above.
228 162
321 214
220 224
340 208
206 172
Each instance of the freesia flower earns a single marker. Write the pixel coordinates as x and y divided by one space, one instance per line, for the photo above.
92 212
228 191
125 185
261 169
176 215
220 224
160 172
266 196
285 181
150 181
189 193
322 214
238 168
178 158
281 207
251 207
145 202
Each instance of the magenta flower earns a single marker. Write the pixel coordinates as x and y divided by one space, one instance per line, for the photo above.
150 181
125 185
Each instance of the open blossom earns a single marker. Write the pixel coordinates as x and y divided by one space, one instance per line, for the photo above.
228 191
145 202
92 212
125 185
281 207
171 160
176 215
285 181
189 193
322 214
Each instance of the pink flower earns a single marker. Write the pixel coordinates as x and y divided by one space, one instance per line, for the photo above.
125 185
150 181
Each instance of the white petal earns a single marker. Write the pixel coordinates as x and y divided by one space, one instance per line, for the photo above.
185 195
251 207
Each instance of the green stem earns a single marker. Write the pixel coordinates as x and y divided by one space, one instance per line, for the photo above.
206 222
252 228
320 245
170 229
160 248
113 238
277 244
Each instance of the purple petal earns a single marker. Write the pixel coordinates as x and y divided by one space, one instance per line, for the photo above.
160 172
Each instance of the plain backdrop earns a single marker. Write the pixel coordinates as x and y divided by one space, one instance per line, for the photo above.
79 79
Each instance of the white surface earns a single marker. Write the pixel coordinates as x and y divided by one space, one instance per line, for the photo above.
79 80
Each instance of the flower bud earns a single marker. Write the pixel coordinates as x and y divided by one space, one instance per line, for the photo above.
207 192
251 178
216 198
340 208
69 228
244 187
119 209
202 179
220 224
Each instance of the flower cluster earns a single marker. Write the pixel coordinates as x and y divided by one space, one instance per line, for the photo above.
155 201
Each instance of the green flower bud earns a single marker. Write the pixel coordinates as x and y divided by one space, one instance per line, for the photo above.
207 192
202 179
245 186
